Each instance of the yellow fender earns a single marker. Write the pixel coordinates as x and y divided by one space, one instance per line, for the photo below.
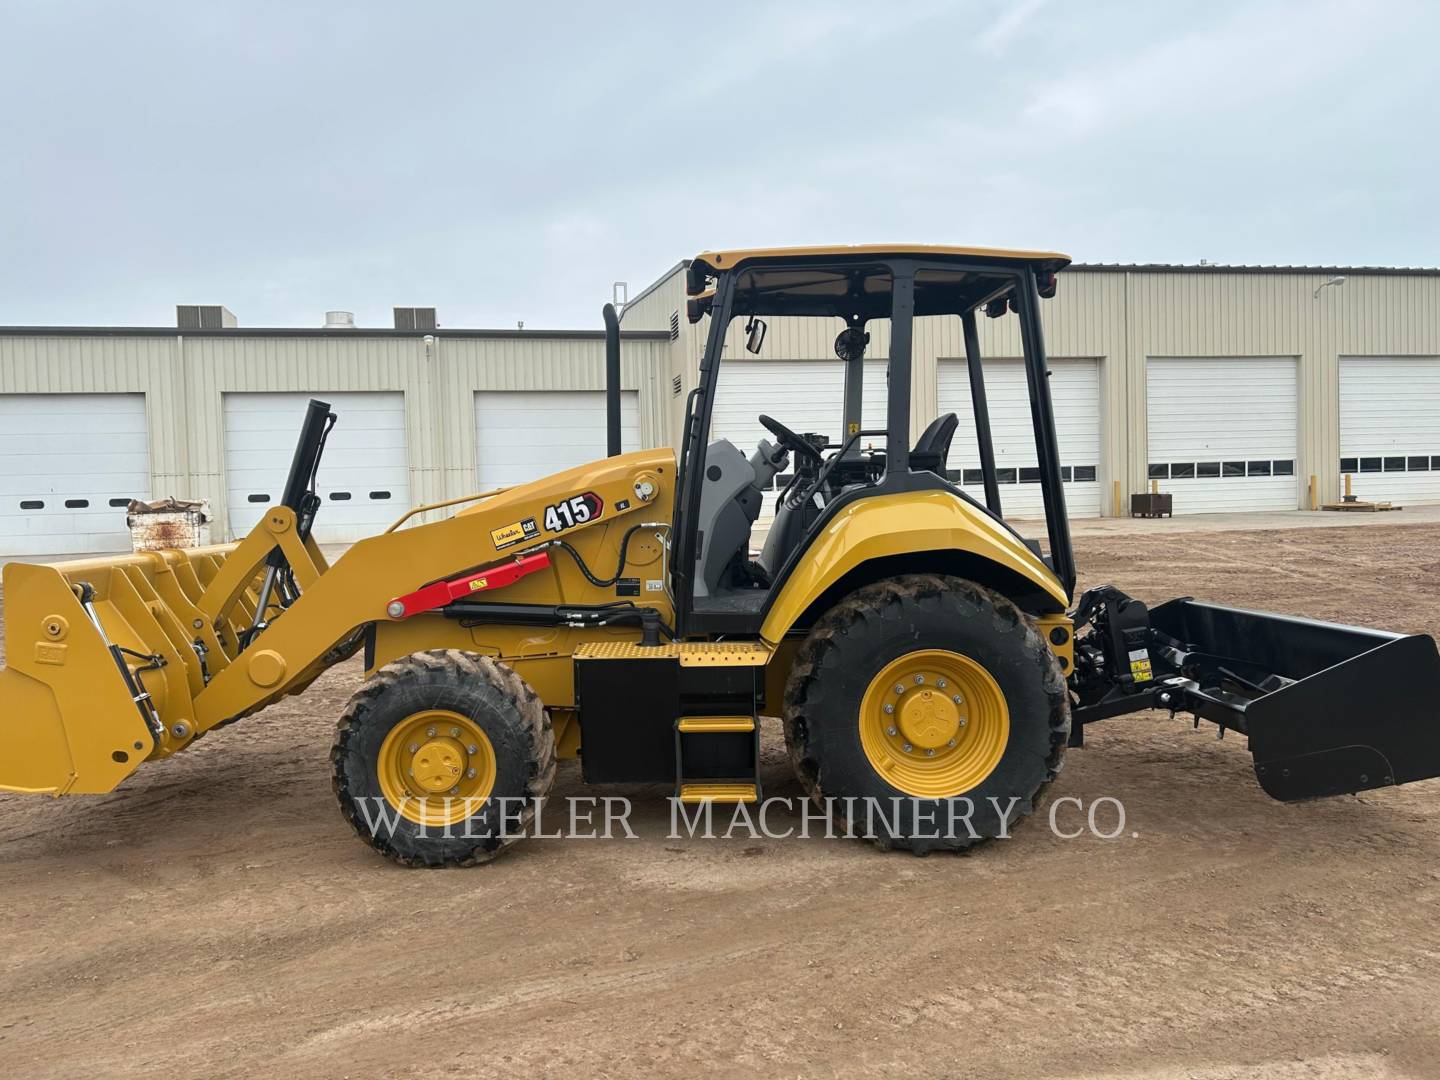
909 523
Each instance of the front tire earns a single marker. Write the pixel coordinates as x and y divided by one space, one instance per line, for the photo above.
441 759
926 712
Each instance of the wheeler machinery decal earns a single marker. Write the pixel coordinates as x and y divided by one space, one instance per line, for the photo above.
514 533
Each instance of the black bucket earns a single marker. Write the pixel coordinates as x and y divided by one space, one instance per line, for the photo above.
1360 713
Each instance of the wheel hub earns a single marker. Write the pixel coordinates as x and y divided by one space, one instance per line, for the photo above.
934 723
436 766
929 719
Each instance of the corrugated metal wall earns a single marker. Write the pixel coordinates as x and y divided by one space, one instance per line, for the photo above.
1123 317
1119 317
185 378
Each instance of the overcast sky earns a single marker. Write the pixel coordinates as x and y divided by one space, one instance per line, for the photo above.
509 161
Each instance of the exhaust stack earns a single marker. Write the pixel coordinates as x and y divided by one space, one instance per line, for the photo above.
612 380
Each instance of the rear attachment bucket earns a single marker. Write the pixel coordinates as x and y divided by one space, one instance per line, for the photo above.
1329 709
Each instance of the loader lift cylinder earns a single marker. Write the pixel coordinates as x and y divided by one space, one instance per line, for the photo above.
306 463
612 380
297 496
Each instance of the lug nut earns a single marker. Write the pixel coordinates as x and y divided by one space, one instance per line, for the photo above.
899 688
454 732
430 733
940 683
956 699
919 679
929 753
890 730
950 743
470 773
889 709
414 747
454 791
963 721
908 748
472 749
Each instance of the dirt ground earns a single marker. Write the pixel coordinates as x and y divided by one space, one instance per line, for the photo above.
215 917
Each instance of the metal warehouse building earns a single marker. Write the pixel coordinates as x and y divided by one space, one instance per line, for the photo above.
1235 388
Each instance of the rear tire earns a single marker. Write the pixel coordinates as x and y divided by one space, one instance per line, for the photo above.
985 722
441 757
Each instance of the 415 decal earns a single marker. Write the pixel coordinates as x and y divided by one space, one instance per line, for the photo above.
576 510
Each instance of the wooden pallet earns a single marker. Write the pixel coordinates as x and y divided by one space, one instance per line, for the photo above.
1360 506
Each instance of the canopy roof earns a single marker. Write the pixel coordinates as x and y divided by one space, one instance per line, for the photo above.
853 282
726 260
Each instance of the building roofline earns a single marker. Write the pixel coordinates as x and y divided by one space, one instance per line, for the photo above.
661 280
321 332
1224 268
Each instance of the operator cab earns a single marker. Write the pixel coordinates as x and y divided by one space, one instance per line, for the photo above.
808 464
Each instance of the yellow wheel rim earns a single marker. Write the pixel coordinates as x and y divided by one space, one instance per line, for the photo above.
934 724
436 767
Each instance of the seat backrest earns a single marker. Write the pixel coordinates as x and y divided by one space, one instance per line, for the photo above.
933 446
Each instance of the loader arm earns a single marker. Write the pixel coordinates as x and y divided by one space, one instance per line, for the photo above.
172 644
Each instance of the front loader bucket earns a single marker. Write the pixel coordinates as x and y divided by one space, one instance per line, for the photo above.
1329 709
105 659
67 720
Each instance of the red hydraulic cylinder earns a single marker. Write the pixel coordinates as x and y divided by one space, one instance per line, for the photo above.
439 593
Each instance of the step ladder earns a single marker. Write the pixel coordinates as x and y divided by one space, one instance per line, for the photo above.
717 758
684 711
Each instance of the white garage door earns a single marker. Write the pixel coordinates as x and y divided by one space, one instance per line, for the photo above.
69 465
522 435
1223 432
1390 427
364 479
807 396
1075 394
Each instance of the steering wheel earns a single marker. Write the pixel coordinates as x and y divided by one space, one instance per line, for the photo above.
790 440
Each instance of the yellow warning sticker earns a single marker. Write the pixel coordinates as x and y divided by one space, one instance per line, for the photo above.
479 583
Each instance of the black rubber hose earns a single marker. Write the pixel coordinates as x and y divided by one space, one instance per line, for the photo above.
619 568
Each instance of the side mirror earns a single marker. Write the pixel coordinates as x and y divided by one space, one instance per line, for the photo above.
755 335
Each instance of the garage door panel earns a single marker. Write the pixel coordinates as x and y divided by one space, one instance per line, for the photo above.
522 435
89 451
1075 395
1237 416
366 458
1390 427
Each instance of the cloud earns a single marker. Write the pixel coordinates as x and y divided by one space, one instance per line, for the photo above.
1011 22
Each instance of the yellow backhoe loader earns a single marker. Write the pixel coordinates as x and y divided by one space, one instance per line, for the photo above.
922 653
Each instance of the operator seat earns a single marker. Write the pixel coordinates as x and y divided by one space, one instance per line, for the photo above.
933 446
794 516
